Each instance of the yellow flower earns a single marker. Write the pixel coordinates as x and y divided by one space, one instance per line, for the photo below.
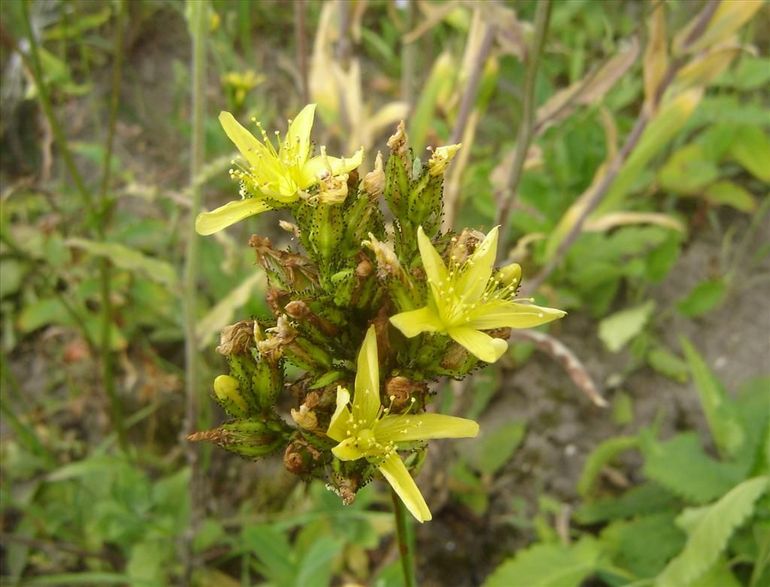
465 299
365 429
273 177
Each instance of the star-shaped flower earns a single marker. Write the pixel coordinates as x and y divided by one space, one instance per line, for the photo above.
365 429
272 176
465 299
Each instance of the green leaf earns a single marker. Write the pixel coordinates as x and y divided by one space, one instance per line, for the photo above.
272 549
648 498
751 148
668 364
730 194
68 579
643 545
681 466
618 329
315 567
688 170
709 537
493 448
548 565
128 259
720 413
703 297
600 456
718 576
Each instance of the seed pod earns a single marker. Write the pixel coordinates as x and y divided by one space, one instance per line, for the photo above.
252 438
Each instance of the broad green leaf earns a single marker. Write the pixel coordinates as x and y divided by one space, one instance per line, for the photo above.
730 194
273 551
548 565
601 456
751 148
704 297
617 330
682 466
710 535
718 575
128 259
315 567
688 170
643 545
646 499
720 412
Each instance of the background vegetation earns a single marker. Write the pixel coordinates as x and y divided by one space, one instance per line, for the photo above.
623 147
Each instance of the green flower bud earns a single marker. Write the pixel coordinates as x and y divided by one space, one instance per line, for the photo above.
252 439
510 275
228 394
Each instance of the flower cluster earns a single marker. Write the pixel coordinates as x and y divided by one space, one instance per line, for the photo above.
381 309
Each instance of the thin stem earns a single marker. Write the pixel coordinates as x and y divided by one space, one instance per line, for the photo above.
405 544
466 106
300 38
42 89
408 57
508 194
198 29
105 204
605 183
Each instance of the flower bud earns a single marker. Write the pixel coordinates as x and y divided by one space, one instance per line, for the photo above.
236 338
333 189
441 158
300 457
510 275
228 394
251 438
374 181
388 264
305 418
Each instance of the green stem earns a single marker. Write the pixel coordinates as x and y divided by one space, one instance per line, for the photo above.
198 28
405 540
105 270
524 137
42 90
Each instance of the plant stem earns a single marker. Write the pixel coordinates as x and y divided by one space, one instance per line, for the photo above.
61 141
300 39
198 29
508 194
105 270
405 543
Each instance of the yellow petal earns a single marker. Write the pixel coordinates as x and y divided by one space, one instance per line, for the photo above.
431 260
512 315
401 428
340 421
478 270
414 322
252 150
347 451
210 222
481 345
366 401
395 473
297 143
323 165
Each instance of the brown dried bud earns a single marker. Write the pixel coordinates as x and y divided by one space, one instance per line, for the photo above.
400 391
374 181
397 142
297 309
236 338
305 418
333 189
387 261
463 246
364 268
300 456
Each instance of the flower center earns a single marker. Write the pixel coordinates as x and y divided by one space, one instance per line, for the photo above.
365 439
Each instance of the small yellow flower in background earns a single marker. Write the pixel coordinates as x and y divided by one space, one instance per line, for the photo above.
240 84
465 299
273 176
365 429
